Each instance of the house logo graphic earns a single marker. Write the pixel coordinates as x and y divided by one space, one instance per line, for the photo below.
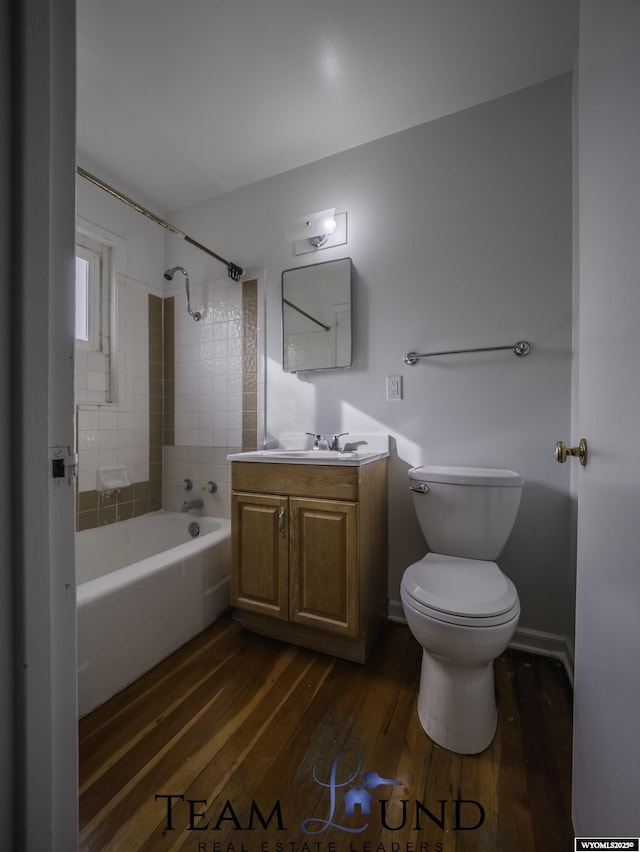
356 798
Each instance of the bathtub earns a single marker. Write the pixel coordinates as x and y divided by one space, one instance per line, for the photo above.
144 588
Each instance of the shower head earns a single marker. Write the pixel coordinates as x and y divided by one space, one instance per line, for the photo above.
169 276
171 272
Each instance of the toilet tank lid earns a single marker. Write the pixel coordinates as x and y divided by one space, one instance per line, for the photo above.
465 475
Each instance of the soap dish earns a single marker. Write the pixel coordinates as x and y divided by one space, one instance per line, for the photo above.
112 478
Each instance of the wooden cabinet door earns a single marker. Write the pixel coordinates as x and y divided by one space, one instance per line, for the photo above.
323 570
260 559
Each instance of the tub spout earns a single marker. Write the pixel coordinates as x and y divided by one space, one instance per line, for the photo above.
192 504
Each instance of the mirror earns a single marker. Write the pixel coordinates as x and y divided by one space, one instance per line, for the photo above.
316 316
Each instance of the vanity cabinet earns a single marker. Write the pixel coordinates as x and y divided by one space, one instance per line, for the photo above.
309 553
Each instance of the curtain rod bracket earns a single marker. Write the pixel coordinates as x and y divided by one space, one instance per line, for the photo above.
234 272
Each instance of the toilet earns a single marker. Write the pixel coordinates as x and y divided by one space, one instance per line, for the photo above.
457 602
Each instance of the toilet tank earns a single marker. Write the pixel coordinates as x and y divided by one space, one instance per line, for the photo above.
466 511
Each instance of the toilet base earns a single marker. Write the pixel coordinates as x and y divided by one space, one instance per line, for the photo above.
457 704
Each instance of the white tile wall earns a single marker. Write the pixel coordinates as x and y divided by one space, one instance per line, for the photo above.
91 376
200 465
208 396
306 350
117 433
208 368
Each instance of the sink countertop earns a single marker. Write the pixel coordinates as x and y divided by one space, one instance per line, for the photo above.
324 457
366 448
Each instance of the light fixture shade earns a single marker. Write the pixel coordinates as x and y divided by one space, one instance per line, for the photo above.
317 224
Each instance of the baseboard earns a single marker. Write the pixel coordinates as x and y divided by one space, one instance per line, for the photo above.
395 612
532 641
546 644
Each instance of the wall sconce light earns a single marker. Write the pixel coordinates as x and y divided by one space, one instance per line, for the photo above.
321 230
316 227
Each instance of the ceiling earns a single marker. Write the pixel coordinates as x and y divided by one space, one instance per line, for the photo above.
182 101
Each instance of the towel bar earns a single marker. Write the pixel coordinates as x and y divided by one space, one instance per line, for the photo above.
521 348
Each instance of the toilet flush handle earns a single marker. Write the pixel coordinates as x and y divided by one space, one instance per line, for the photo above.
423 488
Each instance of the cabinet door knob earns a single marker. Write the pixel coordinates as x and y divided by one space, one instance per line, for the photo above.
562 451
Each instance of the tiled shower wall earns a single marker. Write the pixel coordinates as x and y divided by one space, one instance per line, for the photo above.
121 433
189 387
217 402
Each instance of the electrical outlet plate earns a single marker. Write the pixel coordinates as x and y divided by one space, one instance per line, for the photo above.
394 388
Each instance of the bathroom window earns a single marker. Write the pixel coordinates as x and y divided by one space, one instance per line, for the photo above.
92 271
93 332
87 298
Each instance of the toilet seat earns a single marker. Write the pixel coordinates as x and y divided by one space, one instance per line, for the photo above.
469 592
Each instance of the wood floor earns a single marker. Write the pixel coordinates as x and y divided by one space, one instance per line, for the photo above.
232 745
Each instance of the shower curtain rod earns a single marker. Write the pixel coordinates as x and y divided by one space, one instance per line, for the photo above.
305 314
233 270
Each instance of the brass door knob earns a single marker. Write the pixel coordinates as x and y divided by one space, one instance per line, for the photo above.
562 451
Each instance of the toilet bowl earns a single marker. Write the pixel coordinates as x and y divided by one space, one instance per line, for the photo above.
457 602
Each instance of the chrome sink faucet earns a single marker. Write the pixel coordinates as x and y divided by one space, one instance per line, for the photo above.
333 444
352 447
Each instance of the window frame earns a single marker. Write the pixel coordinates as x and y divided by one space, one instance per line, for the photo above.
113 250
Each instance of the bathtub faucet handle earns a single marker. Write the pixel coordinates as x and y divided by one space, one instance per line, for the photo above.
187 484
211 487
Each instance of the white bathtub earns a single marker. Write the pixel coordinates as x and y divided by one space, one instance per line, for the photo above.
144 588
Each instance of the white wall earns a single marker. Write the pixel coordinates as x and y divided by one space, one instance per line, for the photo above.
144 239
460 234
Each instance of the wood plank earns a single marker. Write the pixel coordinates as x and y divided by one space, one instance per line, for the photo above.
219 763
253 719
216 702
181 663
557 698
514 827
546 793
118 725
132 812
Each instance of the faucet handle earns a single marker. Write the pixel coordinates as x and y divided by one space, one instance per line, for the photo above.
335 444
316 439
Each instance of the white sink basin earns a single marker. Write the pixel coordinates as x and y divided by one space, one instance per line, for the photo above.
307 456
314 455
